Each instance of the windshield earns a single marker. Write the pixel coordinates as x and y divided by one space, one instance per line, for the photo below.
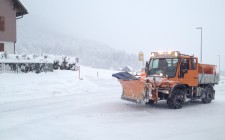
163 67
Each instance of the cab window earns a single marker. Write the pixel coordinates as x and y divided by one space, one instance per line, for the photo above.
193 64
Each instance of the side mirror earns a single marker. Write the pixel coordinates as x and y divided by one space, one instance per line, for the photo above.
147 67
185 70
182 72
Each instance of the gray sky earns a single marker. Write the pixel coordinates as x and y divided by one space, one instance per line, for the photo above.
139 25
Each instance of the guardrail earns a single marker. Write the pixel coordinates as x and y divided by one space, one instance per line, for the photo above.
24 67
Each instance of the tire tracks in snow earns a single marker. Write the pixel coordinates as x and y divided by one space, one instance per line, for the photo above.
62 100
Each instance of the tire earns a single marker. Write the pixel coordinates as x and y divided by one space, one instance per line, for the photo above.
150 102
207 96
176 100
211 90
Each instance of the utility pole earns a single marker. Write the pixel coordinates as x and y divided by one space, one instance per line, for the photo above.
201 43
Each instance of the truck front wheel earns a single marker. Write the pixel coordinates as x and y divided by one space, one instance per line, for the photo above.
176 100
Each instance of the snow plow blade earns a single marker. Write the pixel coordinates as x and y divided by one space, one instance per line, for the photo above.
134 90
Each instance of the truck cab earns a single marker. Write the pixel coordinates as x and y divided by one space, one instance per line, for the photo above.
174 66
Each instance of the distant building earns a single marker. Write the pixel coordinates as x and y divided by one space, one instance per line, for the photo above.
128 69
10 11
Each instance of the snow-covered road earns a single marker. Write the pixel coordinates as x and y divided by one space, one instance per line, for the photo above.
57 106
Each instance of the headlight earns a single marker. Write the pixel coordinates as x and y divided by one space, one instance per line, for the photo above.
166 85
152 54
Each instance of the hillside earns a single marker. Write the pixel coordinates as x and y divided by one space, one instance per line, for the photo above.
37 38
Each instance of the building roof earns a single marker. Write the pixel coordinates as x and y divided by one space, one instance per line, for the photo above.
127 69
20 9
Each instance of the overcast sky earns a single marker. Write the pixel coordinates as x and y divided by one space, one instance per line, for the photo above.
139 25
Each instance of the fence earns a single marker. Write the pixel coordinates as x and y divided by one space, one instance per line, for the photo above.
24 67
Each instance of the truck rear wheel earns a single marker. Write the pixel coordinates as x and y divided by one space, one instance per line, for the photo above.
176 100
207 96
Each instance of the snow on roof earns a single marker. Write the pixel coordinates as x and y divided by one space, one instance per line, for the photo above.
128 69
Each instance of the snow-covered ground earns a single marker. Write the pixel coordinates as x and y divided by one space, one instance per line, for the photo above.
58 106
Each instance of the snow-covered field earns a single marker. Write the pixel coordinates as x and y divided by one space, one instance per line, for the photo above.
58 106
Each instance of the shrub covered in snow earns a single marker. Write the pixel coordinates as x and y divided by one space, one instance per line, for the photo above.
31 58
65 63
37 63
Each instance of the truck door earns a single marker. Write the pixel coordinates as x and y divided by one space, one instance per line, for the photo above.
189 72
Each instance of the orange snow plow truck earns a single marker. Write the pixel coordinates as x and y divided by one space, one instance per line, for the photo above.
170 76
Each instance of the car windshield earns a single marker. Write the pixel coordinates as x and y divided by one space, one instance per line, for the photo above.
163 67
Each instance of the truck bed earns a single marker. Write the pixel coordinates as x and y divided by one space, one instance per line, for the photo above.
207 74
208 79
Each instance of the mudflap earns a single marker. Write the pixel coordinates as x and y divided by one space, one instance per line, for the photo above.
213 94
134 91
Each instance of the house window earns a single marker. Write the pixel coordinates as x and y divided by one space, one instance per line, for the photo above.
1 47
2 23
